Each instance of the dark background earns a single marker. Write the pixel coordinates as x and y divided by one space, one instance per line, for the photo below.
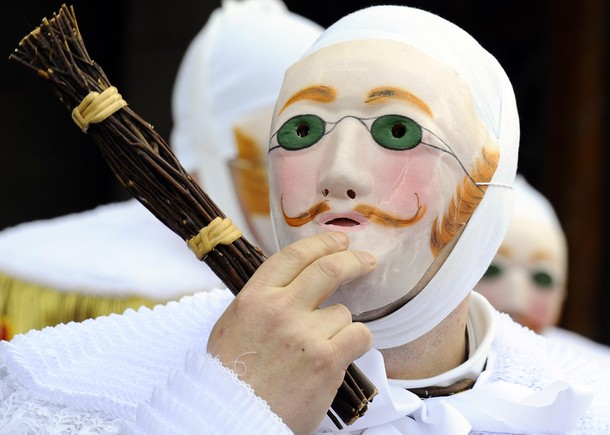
555 53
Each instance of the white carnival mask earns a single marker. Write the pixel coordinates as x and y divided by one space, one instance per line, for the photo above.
381 141
527 278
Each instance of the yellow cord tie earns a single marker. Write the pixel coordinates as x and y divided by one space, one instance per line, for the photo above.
96 107
218 232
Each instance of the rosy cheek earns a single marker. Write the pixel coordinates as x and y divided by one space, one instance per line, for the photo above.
541 310
495 290
492 294
294 176
401 177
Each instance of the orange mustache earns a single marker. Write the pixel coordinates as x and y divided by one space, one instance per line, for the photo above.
370 212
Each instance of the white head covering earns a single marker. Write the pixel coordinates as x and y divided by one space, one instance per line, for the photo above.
532 205
233 67
495 103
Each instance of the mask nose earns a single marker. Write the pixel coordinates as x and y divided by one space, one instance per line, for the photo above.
345 172
519 297
349 193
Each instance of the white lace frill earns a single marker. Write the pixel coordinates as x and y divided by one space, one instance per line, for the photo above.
86 376
143 372
20 413
205 398
147 372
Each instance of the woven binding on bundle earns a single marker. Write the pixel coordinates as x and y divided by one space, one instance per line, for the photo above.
218 232
96 107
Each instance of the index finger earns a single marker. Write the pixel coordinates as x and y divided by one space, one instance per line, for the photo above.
284 266
321 278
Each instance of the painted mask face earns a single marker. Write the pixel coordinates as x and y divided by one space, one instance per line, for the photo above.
250 177
527 277
379 140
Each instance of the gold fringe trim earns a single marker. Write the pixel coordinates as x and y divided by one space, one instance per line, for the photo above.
96 107
218 232
25 305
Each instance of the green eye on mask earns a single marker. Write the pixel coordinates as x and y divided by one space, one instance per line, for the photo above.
492 271
542 280
393 132
396 132
301 131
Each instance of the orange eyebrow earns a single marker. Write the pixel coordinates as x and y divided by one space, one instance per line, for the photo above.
505 251
379 95
541 255
321 94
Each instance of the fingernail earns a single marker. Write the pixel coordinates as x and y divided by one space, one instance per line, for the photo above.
340 237
368 257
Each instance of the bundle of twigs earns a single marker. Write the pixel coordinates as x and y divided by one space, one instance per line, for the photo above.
146 166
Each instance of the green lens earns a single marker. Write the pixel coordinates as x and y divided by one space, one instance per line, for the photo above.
492 271
542 279
300 132
396 132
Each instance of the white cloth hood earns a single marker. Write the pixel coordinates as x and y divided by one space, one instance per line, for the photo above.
233 67
495 104
532 205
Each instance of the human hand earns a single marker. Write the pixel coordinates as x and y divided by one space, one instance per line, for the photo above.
292 353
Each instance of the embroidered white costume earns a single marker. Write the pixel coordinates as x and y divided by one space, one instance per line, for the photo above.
148 372
101 374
